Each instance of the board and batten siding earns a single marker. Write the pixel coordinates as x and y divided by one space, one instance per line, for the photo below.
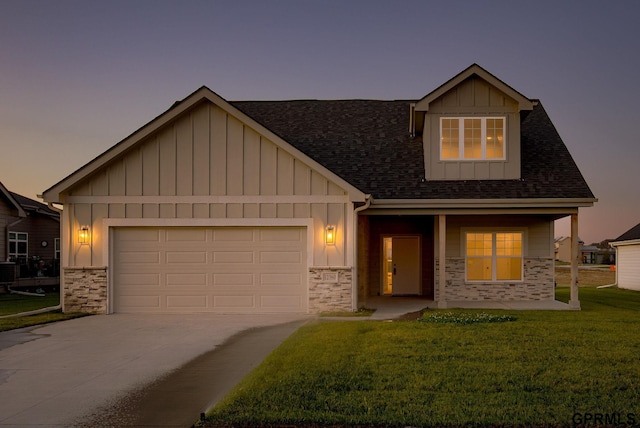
628 266
473 97
206 164
538 232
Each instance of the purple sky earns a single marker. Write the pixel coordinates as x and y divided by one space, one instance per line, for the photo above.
76 77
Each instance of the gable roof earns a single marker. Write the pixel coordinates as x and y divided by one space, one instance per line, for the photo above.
30 205
203 94
473 69
367 143
9 197
631 234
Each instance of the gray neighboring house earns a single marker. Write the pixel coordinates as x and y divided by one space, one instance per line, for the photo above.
311 205
627 248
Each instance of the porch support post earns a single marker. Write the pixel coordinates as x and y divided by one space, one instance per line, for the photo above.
574 302
442 273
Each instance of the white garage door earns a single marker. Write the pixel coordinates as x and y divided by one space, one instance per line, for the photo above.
216 269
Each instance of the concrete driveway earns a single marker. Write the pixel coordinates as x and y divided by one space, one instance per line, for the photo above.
74 367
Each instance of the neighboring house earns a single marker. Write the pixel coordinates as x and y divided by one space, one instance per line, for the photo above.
30 235
627 248
562 247
306 206
594 255
10 210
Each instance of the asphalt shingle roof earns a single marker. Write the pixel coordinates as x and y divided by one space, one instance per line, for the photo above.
367 143
29 204
633 233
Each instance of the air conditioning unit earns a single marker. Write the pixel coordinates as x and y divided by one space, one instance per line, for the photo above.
7 272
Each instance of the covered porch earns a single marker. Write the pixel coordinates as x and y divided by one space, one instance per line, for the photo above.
437 236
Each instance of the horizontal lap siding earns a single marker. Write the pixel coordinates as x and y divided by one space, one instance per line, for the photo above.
629 266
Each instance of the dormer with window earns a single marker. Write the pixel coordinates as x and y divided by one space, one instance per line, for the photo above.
471 128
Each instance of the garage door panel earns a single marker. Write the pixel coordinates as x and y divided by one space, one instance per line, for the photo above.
286 257
187 302
182 257
141 234
185 279
138 279
267 279
186 235
233 279
141 303
234 302
135 257
231 235
232 257
279 302
279 235
238 269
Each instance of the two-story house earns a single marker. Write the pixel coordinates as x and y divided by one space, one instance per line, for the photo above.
307 205
29 238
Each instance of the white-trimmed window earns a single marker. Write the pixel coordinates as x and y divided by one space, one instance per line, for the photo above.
472 138
57 249
493 256
18 245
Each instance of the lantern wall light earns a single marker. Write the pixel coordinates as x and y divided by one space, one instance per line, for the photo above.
83 235
330 235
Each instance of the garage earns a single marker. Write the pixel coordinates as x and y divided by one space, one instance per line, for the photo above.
209 269
628 265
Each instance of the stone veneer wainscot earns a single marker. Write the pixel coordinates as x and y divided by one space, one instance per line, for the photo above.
330 289
538 283
85 289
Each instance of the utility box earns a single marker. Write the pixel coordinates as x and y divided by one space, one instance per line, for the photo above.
7 272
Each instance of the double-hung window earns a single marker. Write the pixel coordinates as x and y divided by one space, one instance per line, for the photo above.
18 245
493 256
472 138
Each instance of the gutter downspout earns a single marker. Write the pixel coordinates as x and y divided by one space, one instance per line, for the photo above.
615 284
354 275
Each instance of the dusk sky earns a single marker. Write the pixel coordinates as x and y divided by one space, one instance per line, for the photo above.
76 77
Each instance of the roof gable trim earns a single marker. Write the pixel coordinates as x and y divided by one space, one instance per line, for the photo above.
7 194
204 93
523 102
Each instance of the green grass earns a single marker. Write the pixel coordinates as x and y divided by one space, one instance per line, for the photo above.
14 304
539 369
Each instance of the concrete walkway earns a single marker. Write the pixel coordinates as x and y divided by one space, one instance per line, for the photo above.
74 367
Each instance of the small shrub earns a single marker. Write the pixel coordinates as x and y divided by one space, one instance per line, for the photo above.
465 318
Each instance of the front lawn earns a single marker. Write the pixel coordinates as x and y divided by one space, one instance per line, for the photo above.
557 368
15 304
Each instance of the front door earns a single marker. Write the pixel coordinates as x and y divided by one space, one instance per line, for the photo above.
401 265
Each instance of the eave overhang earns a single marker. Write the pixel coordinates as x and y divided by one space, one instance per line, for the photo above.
56 193
5 192
482 206
623 243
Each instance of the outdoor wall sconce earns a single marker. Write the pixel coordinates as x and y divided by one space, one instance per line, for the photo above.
83 235
330 235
